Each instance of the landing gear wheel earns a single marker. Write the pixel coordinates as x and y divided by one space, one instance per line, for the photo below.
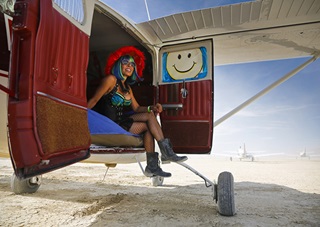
29 185
225 194
157 181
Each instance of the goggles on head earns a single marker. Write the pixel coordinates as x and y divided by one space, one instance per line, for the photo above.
126 61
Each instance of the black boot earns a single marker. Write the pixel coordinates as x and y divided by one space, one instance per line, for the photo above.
167 154
153 169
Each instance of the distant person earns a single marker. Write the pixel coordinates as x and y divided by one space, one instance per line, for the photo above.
123 68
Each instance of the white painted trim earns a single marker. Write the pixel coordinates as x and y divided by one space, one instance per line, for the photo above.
9 38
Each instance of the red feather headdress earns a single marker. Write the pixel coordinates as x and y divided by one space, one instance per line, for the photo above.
137 55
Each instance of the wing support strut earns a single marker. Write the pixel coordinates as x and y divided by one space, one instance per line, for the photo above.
266 90
207 182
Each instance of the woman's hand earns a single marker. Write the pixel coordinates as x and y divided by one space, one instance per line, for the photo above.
157 108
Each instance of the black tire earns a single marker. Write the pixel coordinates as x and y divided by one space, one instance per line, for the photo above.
29 185
225 194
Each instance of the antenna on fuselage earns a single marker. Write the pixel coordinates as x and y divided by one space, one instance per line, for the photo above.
147 8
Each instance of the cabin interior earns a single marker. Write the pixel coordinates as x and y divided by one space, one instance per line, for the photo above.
107 36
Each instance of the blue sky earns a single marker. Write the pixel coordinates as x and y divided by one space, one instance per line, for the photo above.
285 120
136 9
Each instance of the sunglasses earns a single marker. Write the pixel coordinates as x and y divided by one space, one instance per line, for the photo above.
128 62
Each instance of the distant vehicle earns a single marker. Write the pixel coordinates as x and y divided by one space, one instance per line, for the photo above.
242 154
309 155
303 154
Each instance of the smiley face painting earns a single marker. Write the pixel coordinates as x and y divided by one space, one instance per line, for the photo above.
184 65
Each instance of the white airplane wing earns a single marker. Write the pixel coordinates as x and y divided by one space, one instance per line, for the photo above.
251 31
268 154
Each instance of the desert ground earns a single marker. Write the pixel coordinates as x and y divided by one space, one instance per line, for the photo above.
268 192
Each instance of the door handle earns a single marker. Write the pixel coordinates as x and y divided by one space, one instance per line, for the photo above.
172 106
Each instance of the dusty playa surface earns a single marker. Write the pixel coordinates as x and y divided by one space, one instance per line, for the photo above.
282 192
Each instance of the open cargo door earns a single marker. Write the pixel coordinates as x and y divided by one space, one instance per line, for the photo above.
186 93
47 117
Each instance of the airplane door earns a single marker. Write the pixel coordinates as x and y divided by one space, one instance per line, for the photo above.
47 117
186 93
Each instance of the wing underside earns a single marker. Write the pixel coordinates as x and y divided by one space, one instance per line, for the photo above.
246 32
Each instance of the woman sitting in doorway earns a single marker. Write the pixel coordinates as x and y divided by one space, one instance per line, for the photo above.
123 68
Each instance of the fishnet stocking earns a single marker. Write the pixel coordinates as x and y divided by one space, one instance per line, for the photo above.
147 123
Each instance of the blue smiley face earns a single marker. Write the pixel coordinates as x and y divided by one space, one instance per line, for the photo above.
184 65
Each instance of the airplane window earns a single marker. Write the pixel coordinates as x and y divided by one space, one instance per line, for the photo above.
189 64
74 8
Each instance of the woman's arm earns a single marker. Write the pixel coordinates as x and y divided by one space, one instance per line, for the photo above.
106 86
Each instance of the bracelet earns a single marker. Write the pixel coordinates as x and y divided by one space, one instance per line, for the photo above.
149 109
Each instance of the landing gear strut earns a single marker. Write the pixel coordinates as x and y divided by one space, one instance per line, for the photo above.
222 192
